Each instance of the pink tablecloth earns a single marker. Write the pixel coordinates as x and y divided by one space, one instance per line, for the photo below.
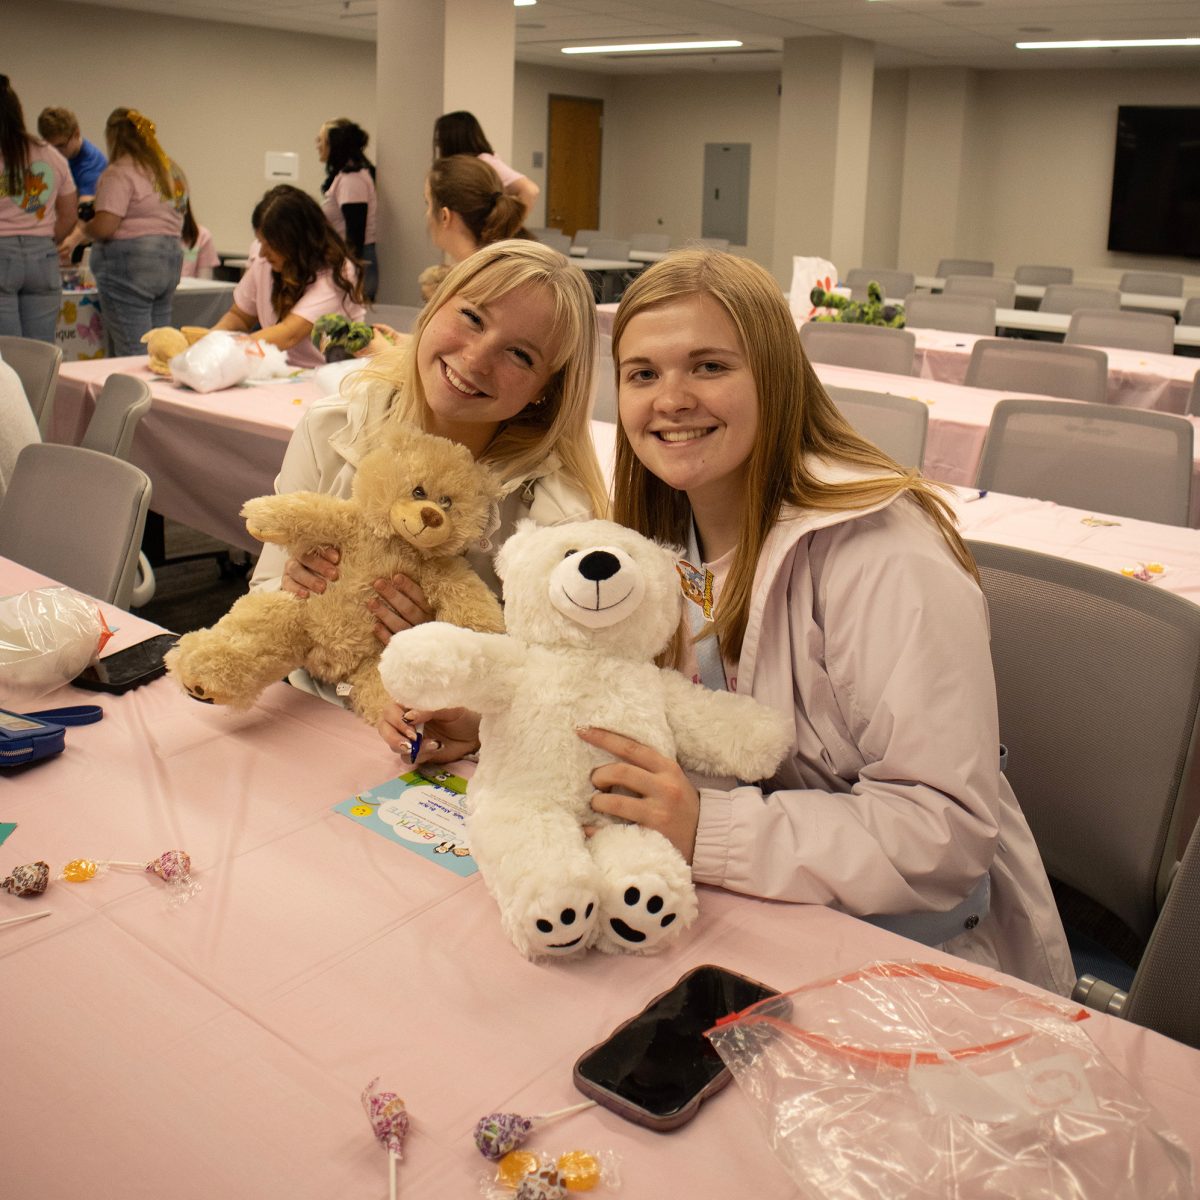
219 1048
1136 378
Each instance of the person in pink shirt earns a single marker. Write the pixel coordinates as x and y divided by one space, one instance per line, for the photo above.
138 217
460 133
199 254
349 193
829 583
304 271
37 211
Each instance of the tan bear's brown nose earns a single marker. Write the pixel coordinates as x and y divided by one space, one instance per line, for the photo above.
431 518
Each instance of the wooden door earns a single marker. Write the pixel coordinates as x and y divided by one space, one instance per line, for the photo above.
573 169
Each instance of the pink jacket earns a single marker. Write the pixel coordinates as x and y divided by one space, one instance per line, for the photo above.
865 626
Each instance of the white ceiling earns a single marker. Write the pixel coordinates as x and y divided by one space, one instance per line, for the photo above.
906 33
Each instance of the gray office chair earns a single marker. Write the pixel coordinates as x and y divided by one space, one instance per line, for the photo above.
607 247
654 243
1122 461
1002 291
1122 330
121 404
76 515
1067 297
956 313
605 389
1191 312
1193 405
401 317
1043 368
894 283
1152 283
1102 780
1040 276
707 243
965 266
896 424
555 239
37 364
585 237
870 347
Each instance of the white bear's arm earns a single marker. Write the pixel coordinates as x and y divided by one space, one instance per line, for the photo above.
301 519
721 733
436 665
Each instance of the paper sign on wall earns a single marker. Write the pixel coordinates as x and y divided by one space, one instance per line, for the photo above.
283 166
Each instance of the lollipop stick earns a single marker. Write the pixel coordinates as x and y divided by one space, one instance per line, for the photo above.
565 1112
391 1175
33 916
133 865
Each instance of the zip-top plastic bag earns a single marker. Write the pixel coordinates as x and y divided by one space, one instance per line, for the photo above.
907 1079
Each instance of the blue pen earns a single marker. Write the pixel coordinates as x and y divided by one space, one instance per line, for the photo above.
415 746
977 496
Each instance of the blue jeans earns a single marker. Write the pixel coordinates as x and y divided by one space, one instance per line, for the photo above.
30 287
136 278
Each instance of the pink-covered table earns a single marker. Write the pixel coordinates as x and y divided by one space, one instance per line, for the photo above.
218 1049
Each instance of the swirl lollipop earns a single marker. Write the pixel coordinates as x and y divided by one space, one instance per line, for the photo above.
173 867
498 1133
389 1121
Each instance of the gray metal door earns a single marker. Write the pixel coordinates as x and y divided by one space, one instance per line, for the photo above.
726 191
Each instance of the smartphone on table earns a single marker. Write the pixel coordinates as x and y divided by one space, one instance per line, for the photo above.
658 1067
128 668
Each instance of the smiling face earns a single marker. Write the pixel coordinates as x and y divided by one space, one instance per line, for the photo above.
481 364
687 399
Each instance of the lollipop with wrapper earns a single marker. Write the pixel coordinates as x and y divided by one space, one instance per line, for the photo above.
389 1121
29 879
498 1133
173 867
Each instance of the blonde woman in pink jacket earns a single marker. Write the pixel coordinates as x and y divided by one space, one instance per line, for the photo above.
842 594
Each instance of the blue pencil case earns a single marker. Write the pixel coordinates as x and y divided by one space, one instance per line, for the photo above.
30 737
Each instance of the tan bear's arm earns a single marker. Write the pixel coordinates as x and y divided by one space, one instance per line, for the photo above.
300 519
460 597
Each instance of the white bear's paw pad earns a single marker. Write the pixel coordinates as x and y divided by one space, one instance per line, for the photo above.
565 931
643 920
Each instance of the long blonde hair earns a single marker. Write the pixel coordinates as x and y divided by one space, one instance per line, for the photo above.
559 424
797 423
132 135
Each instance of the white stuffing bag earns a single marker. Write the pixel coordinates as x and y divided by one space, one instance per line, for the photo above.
223 360
47 636
808 273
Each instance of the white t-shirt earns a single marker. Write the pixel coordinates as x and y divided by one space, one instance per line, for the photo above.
350 187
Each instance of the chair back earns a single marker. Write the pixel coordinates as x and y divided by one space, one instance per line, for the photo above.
123 401
1193 406
585 237
896 424
704 243
401 317
1100 779
654 243
37 365
1191 312
1040 276
1043 368
1067 297
965 266
76 515
1002 291
1125 462
1153 332
894 283
605 388
606 247
957 313
870 347
18 428
1152 283
555 239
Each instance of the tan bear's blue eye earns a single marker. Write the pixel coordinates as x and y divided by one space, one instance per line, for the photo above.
418 493
445 501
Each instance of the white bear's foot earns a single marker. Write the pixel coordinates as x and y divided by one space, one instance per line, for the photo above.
555 923
646 895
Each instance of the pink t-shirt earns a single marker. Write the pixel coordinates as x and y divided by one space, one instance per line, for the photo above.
506 173
202 254
128 191
350 187
46 178
253 295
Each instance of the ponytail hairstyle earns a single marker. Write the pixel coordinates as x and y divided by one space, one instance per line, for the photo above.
190 232
347 149
466 185
14 141
132 135
459 133
292 224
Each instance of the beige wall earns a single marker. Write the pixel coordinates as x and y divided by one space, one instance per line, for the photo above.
221 95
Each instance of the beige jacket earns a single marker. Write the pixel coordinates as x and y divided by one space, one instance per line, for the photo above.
866 628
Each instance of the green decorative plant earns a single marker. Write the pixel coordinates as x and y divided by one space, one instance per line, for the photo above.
872 311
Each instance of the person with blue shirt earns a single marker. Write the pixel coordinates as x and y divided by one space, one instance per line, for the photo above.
60 128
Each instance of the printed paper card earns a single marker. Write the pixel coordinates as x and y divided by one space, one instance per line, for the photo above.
424 810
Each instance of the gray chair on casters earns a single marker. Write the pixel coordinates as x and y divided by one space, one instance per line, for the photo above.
555 239
1044 368
896 424
956 313
1122 330
1121 461
1152 283
1193 407
1191 312
606 247
1101 780
1003 292
894 283
37 364
1040 276
652 243
965 266
76 515
1067 297
870 347
123 401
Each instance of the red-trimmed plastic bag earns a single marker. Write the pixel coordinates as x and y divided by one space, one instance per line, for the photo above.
906 1079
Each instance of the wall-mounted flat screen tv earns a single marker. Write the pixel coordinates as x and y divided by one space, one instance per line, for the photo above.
1156 182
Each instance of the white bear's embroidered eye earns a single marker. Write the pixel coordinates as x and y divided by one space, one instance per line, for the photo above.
445 502
570 552
418 493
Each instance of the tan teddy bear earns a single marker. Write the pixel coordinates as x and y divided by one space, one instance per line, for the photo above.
417 503
163 343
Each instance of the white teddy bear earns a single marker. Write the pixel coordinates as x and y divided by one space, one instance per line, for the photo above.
587 607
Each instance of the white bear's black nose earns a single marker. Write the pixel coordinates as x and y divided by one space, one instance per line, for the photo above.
598 565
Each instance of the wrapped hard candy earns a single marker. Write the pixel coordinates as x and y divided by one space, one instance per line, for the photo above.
29 879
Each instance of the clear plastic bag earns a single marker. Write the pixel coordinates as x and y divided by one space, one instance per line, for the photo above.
47 636
907 1079
222 360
